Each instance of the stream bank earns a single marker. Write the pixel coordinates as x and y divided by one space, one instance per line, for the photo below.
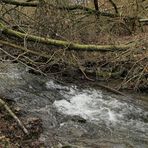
72 115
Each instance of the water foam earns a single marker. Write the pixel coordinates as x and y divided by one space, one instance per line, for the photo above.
98 108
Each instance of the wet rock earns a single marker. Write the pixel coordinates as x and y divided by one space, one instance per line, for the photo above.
78 119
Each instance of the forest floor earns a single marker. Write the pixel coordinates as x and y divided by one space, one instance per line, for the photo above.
12 136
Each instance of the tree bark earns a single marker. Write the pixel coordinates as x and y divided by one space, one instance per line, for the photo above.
96 5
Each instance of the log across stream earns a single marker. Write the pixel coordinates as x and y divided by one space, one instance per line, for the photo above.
75 116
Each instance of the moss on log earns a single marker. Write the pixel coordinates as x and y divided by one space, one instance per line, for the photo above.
71 7
19 3
64 44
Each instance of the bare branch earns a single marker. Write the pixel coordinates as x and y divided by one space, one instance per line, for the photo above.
114 5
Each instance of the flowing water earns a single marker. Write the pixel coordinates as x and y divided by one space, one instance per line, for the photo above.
94 107
118 117
84 117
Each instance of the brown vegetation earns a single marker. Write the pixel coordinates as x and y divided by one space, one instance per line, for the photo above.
11 136
117 24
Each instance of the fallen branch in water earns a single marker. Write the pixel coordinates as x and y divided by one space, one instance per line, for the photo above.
112 90
108 88
59 43
3 103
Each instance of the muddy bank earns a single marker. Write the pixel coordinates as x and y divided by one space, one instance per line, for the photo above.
71 115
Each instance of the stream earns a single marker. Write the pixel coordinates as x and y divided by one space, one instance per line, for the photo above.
73 115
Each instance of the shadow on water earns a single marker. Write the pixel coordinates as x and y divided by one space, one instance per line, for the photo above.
75 116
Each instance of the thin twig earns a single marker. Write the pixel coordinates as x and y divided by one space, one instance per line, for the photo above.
80 67
30 67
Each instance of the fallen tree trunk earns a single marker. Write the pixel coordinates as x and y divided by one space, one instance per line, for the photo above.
76 7
64 44
19 3
71 7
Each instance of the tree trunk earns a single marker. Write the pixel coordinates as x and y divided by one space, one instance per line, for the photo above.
96 5
65 44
